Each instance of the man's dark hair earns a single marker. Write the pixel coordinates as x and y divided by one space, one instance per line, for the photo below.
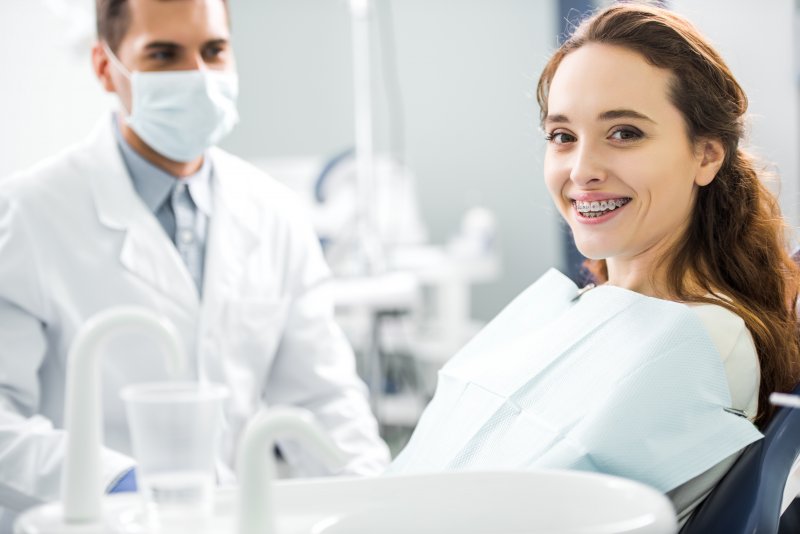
113 20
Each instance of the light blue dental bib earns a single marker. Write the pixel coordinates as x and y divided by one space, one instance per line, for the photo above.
613 382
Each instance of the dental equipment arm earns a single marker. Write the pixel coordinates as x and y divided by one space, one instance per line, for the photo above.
82 488
256 464
785 399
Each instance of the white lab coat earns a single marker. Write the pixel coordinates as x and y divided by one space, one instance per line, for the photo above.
76 239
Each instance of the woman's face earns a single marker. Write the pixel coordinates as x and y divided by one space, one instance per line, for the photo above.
619 163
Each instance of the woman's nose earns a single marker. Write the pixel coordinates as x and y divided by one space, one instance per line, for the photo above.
587 166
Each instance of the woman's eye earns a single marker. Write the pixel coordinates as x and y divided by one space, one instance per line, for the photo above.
559 138
626 134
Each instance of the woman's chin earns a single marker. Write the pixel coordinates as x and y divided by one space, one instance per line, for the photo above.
593 252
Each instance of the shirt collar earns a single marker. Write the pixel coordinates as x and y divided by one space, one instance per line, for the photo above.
155 185
199 185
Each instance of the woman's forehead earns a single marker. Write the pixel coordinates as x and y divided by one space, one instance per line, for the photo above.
597 78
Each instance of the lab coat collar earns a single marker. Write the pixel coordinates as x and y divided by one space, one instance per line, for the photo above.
231 191
154 185
234 231
233 237
147 251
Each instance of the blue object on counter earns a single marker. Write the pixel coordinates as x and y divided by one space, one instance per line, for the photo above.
126 483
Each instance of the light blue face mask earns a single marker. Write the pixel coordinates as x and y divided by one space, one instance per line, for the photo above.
180 114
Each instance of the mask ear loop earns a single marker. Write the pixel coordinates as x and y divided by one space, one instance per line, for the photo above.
112 57
114 60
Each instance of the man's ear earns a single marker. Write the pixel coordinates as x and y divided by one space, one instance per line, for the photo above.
102 67
712 155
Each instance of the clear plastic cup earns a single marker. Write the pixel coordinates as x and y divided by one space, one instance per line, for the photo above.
175 429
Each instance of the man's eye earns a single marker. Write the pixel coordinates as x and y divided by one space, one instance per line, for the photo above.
162 55
559 138
213 53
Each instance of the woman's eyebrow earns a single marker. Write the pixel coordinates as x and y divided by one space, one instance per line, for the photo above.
623 114
611 114
556 118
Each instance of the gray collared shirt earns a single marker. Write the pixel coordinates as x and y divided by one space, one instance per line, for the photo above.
155 186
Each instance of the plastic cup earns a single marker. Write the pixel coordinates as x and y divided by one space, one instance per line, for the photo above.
175 429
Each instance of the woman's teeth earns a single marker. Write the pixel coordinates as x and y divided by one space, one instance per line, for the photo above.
598 208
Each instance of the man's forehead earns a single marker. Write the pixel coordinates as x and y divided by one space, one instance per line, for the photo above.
176 4
178 20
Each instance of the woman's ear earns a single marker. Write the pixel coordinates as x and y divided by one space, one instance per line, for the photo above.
712 154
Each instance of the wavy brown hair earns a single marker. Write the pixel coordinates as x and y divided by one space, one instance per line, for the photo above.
735 249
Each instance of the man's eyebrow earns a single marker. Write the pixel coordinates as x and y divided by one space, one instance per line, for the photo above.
623 114
216 42
161 45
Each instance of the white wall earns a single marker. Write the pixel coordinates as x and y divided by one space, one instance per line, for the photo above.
759 42
467 71
49 97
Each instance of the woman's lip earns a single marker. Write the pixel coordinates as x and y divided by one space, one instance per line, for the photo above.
606 216
596 197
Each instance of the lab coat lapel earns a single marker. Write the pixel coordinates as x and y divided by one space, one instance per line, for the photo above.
234 228
146 252
233 236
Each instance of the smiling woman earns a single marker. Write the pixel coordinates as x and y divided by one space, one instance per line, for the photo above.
623 142
662 373
698 225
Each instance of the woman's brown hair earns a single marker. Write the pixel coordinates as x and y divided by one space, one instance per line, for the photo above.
735 249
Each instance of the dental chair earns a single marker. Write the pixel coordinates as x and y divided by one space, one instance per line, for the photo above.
748 499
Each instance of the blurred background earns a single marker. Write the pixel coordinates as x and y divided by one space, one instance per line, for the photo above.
457 220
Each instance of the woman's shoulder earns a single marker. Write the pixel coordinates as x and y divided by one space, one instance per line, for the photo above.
737 350
725 327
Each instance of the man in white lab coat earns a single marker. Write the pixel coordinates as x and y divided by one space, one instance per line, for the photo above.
147 212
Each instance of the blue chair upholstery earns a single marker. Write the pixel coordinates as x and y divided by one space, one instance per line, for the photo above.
748 499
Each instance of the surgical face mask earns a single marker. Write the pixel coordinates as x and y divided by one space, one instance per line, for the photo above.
180 114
